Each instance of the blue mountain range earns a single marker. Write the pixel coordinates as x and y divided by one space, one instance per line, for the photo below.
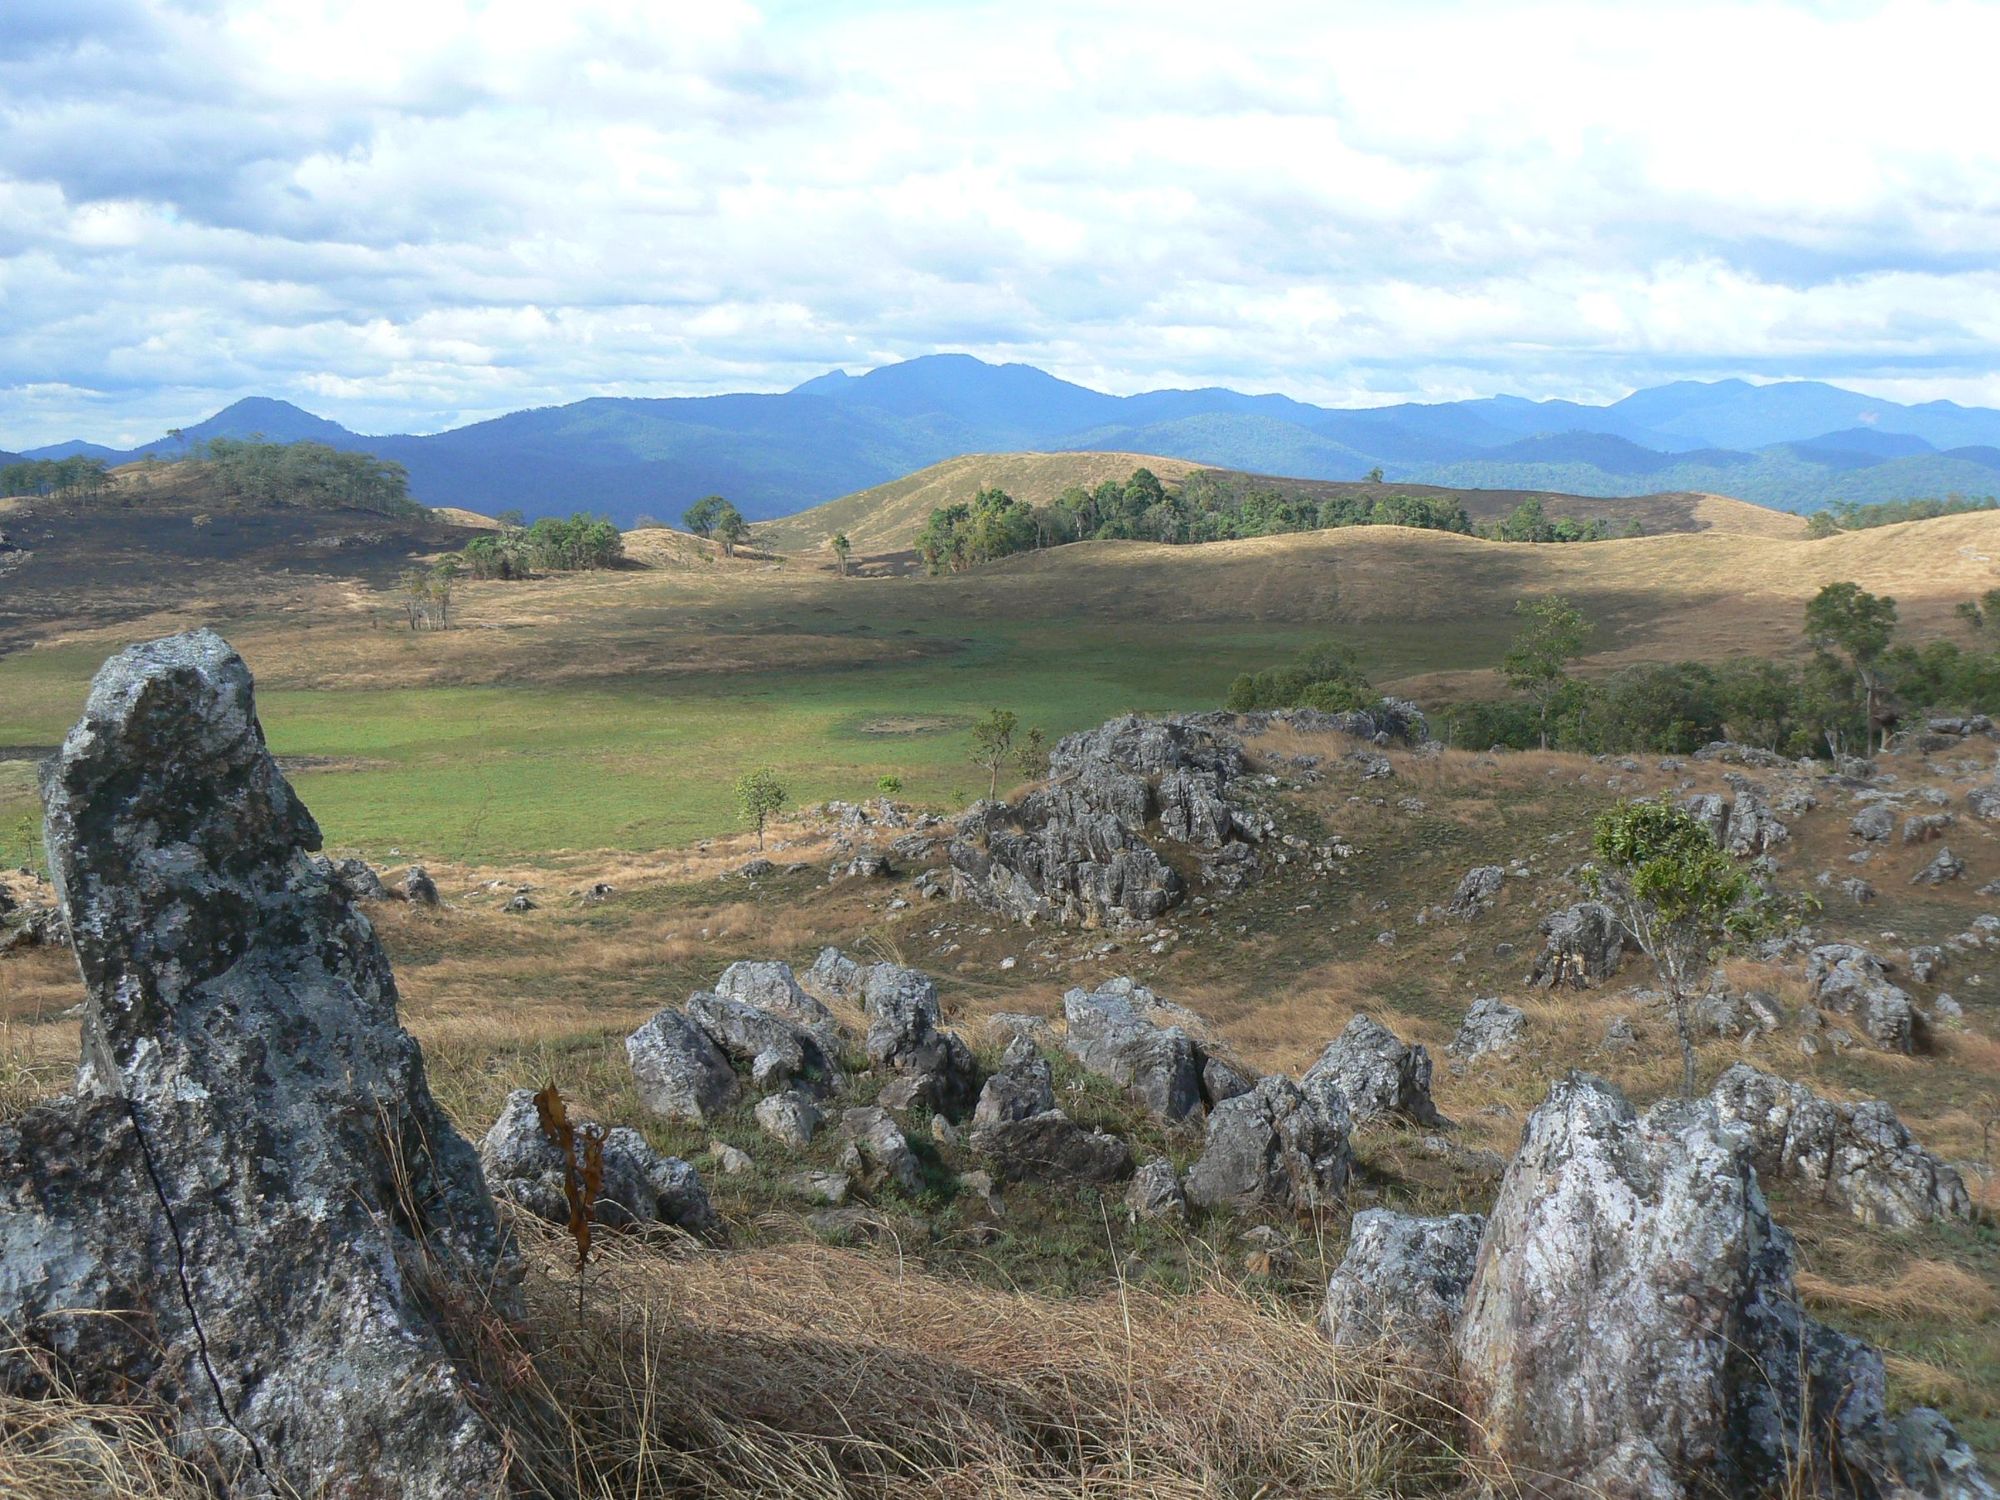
1795 444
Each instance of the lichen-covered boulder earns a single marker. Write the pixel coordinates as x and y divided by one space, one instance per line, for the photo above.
1050 1147
1377 1073
1476 892
1848 979
1155 1192
878 1154
680 1073
1857 1154
1023 1086
227 1218
1632 1327
1403 1280
1109 1033
641 1187
1585 946
779 1052
1491 1027
773 988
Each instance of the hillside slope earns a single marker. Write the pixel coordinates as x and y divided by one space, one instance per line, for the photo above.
887 517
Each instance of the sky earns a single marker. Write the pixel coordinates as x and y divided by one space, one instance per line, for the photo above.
409 214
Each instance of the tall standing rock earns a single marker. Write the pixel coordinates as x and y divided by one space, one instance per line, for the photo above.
1632 1328
237 1212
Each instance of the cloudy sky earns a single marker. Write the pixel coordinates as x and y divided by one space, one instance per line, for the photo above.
406 214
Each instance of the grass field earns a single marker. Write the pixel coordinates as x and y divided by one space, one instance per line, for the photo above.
614 711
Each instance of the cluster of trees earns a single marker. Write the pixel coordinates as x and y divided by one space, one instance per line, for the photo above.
1327 677
714 516
1846 515
426 594
1846 697
1530 522
305 473
578 543
1207 507
64 478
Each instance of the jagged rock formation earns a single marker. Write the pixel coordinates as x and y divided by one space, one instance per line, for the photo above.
936 1067
1050 1147
1848 979
641 1187
1376 1073
681 1074
1155 1192
1281 1146
1687 1368
1857 1154
235 1212
1023 1086
1074 851
1586 945
1153 1048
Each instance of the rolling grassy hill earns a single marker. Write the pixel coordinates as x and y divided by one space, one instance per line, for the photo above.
887 517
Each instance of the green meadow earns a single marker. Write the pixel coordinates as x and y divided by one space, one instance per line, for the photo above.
645 759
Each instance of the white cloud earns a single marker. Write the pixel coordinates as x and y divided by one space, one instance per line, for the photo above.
409 215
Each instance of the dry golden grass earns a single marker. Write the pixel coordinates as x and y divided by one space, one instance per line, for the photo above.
812 1372
1916 1291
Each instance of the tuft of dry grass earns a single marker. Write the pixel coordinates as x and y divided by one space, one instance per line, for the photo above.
810 1372
1917 1291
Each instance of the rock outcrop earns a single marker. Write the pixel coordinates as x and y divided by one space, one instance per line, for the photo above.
1111 1034
1857 1154
1075 850
234 1214
1585 947
641 1187
1050 1147
1477 891
1632 1328
1377 1074
681 1074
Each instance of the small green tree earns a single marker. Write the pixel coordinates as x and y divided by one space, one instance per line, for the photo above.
889 786
1032 756
1375 475
842 550
705 514
1683 900
759 794
731 530
1846 622
993 745
1822 524
1552 635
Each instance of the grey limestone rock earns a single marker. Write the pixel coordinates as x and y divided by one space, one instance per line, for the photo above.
681 1074
251 1179
1377 1073
1279 1146
1857 1154
1585 946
